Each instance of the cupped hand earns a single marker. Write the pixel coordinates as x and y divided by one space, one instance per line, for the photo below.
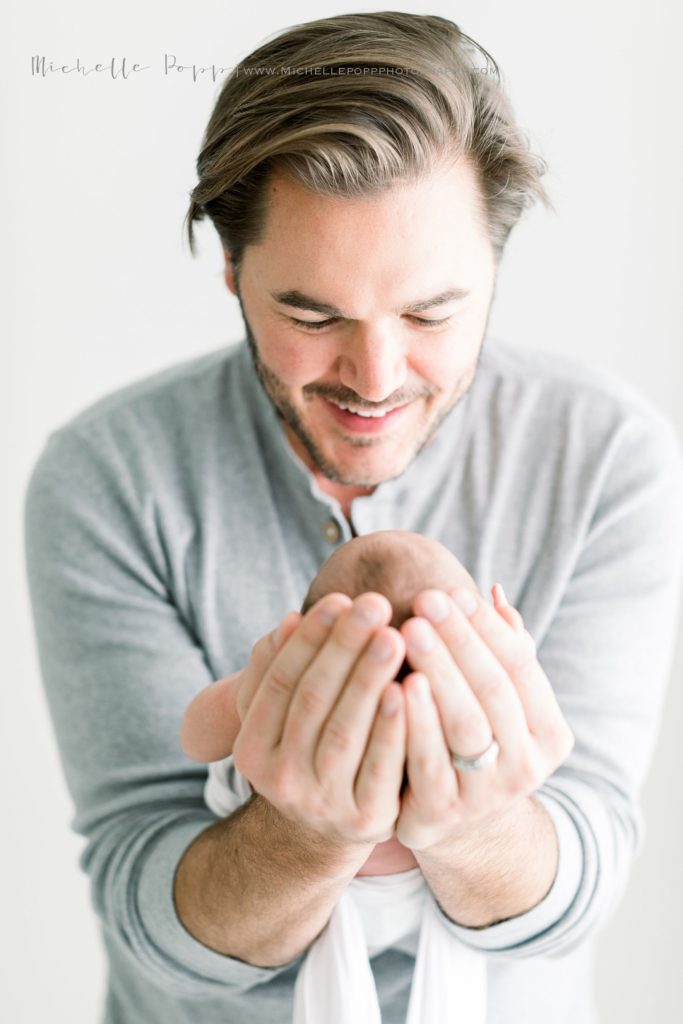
312 742
477 679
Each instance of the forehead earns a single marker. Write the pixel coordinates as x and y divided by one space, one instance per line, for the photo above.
450 190
410 238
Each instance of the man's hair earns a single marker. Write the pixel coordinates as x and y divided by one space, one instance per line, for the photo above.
351 105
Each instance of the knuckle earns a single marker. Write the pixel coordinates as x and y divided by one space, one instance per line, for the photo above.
311 700
338 736
469 727
364 821
378 768
278 684
427 768
490 684
285 784
526 777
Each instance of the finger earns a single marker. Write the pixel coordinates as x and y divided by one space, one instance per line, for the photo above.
483 673
490 642
512 617
381 770
324 678
270 704
430 771
501 604
262 654
464 722
343 739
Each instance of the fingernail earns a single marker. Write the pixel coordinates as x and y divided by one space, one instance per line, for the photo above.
502 599
380 648
421 636
435 606
465 600
329 614
367 614
390 704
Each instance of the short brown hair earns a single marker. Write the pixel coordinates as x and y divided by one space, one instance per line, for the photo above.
352 104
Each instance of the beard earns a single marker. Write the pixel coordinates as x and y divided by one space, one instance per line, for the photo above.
287 413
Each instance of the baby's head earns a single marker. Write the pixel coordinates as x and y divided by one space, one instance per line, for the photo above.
395 563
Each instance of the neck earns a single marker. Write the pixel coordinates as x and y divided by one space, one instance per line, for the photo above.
344 493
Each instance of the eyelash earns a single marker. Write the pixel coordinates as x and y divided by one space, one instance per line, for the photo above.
316 325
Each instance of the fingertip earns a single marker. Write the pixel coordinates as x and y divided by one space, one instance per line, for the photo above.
392 701
286 628
418 689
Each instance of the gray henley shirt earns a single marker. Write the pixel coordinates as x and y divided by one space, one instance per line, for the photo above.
169 525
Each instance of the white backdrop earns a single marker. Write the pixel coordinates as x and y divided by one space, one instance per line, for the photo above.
101 290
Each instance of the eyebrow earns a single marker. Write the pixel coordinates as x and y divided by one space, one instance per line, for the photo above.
298 300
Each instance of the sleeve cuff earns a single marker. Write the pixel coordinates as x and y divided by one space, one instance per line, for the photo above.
553 906
180 952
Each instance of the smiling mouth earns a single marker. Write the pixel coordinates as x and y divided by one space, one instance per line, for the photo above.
363 421
366 413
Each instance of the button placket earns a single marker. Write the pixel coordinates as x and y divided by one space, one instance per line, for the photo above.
332 531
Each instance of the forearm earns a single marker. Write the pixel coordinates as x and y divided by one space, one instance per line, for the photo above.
495 872
257 887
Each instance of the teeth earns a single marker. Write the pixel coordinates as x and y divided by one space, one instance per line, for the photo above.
365 414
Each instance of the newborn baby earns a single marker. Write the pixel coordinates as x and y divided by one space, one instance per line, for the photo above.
395 563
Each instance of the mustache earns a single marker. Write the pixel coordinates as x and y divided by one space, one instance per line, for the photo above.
360 403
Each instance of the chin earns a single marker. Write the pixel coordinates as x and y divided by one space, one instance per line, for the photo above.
367 473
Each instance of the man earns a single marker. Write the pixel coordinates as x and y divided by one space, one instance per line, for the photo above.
171 526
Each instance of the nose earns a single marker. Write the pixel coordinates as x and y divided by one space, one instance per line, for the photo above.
373 364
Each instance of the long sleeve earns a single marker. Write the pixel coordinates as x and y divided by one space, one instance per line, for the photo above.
607 650
119 664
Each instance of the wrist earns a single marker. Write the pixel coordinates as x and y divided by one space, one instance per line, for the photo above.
333 854
466 842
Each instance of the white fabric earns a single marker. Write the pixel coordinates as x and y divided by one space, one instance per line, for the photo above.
335 983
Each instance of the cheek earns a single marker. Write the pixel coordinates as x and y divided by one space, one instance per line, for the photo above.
295 359
440 362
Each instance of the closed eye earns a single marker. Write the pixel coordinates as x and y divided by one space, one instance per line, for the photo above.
316 325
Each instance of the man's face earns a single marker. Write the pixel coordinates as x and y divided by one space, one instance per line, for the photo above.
373 260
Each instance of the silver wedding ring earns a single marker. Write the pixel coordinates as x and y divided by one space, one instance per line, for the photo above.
470 764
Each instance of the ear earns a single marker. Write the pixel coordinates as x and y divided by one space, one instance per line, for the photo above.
230 272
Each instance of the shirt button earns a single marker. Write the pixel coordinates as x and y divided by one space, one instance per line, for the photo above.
332 531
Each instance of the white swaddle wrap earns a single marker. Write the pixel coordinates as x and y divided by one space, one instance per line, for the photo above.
335 983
